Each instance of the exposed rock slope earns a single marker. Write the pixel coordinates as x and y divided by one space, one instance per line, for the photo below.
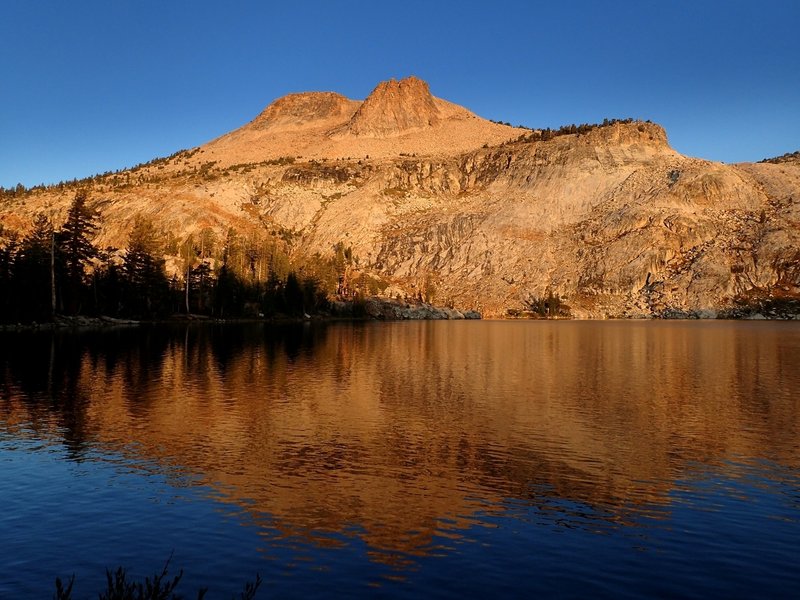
394 108
304 111
431 197
398 117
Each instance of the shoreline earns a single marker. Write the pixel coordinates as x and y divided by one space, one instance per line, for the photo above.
105 323
371 309
387 309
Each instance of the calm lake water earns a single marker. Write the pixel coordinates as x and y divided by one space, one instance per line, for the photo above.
433 459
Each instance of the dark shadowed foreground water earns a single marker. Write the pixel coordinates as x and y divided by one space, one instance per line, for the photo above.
434 459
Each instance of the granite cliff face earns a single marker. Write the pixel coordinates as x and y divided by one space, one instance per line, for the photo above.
610 220
394 108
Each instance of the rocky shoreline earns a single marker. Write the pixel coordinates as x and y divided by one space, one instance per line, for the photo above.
374 308
387 309
72 322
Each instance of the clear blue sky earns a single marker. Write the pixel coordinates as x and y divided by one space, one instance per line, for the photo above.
93 85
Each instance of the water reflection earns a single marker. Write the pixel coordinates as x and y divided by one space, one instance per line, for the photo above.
406 435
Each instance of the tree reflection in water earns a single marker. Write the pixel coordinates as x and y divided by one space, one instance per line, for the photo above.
406 435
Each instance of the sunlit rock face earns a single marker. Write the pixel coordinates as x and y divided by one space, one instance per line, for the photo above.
395 107
612 220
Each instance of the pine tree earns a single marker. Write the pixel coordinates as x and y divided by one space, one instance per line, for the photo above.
201 280
34 272
293 295
75 248
9 247
189 255
145 283
107 284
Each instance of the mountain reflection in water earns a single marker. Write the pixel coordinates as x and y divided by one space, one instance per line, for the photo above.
405 435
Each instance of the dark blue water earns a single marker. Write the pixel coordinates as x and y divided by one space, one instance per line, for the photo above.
399 460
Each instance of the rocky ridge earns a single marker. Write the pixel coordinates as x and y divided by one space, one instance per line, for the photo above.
611 220
297 111
394 108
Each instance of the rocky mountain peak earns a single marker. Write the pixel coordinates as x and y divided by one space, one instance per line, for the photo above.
297 110
395 107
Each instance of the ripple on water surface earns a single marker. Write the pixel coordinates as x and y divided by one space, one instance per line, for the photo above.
445 459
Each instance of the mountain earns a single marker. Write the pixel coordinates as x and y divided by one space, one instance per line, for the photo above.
432 200
398 117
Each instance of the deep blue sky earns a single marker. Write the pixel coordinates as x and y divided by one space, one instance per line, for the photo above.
93 85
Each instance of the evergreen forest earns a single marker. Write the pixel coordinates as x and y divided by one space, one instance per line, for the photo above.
58 270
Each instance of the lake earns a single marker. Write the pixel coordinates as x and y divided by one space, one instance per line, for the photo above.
436 459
